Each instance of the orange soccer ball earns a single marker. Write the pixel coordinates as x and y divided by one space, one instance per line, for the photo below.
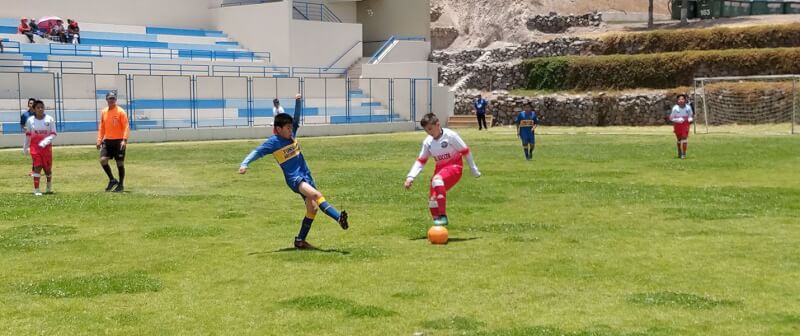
437 235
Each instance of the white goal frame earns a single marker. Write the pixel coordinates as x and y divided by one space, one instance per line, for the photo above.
700 94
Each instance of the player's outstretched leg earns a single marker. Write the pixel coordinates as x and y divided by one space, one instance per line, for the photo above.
112 182
314 195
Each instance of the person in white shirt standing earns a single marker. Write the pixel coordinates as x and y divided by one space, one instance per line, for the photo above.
447 149
40 130
681 117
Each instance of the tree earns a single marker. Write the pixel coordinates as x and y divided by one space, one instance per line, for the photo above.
684 11
650 23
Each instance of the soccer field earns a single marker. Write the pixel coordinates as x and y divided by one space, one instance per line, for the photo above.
599 235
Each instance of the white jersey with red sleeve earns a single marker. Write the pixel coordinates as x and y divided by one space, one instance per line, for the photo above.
40 133
447 150
680 115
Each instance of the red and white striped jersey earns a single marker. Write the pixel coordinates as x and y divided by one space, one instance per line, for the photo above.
447 150
38 130
681 114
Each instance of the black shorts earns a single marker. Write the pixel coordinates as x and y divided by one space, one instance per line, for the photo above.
111 149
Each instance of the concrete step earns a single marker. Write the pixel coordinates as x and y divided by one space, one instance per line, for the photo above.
467 121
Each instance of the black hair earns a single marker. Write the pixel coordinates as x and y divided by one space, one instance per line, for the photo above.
37 102
429 119
276 101
685 97
31 100
283 119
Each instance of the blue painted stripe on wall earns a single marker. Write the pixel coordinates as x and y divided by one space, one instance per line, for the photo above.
182 32
8 30
117 43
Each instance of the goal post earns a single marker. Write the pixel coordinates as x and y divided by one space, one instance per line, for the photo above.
761 104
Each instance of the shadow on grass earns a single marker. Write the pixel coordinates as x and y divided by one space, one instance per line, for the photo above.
451 240
292 249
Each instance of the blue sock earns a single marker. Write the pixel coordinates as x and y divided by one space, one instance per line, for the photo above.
526 152
328 209
305 228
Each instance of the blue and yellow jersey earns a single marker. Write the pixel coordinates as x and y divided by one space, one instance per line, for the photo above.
287 153
525 121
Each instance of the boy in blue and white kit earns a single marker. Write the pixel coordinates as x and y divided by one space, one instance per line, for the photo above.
286 151
527 121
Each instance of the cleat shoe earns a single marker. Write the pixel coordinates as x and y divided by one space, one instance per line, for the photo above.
343 220
37 193
111 185
441 221
303 245
119 188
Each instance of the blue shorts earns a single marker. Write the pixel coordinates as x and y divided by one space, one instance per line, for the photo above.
528 138
294 184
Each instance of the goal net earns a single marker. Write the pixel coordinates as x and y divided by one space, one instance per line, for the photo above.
761 104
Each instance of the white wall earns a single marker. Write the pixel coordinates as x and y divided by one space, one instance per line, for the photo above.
393 17
172 13
346 11
407 51
402 70
89 138
443 100
317 44
261 27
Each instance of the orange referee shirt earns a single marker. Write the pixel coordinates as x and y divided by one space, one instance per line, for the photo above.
113 125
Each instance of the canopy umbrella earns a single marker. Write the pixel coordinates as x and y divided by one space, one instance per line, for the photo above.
47 22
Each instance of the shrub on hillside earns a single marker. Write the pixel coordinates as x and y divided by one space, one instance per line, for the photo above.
775 36
657 71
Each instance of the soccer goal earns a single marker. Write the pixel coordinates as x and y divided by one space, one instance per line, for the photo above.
748 104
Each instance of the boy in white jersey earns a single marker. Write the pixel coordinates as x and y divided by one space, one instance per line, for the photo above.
447 149
40 130
681 117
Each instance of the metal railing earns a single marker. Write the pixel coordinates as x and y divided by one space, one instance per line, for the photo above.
157 53
385 47
318 72
251 71
200 101
313 12
343 54
69 67
11 47
127 68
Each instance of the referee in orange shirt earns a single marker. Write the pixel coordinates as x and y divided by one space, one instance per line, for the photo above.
112 139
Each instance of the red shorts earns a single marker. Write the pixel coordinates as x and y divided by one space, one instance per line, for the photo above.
449 174
43 158
681 130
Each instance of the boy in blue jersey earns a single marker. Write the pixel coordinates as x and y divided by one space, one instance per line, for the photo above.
286 151
527 121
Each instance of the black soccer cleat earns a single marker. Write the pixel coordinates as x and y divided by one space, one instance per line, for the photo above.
119 188
303 245
111 185
343 220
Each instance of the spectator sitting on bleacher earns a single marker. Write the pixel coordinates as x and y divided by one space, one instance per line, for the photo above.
35 28
24 29
57 32
73 31
1 46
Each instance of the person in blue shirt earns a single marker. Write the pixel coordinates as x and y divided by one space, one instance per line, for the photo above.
480 111
283 146
27 114
527 121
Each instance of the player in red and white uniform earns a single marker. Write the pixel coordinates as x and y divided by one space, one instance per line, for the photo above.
447 149
681 117
40 130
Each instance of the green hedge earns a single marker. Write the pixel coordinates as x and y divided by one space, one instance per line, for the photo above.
775 36
658 71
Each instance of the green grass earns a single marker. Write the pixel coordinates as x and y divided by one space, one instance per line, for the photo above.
602 234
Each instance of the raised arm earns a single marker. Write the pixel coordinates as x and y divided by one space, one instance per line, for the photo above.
298 112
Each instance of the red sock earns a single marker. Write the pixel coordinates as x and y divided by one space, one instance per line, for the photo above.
441 199
685 145
36 179
433 206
